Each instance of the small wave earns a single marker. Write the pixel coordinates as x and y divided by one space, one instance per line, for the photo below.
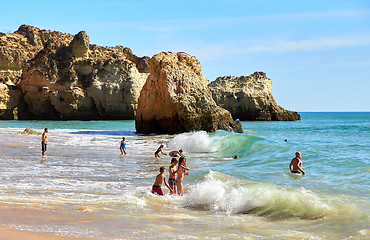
224 143
222 193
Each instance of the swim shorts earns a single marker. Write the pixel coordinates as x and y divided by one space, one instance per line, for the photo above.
157 189
295 171
173 155
172 182
43 146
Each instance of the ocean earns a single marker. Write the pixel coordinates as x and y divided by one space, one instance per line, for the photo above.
85 187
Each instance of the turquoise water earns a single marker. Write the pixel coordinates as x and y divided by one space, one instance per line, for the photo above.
251 197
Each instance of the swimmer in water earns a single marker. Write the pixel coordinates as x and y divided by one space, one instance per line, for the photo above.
176 153
295 165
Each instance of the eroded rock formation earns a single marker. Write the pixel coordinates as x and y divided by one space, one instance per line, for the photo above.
250 98
175 98
52 75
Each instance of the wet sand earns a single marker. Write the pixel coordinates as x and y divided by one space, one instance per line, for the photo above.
7 233
15 222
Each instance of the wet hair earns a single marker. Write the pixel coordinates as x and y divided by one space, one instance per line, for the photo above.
236 156
173 160
123 138
161 146
161 169
45 129
181 159
180 150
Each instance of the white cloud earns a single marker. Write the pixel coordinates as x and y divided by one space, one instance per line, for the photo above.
315 44
279 46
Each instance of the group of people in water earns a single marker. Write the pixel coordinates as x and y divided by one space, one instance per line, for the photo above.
174 183
178 167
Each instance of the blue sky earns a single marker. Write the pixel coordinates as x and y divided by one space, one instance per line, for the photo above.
317 52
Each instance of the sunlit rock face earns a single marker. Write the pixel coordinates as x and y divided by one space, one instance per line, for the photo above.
249 98
176 98
52 75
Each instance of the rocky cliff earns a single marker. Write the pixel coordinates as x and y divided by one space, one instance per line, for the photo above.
175 98
249 98
52 75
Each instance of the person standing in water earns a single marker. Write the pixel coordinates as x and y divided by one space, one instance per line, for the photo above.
180 175
159 150
158 182
295 165
44 141
172 178
122 147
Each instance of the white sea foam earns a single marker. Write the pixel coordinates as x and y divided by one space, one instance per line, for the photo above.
199 142
221 193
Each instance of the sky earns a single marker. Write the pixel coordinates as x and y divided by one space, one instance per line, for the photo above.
316 52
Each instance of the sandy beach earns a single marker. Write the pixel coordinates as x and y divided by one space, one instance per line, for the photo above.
7 233
22 216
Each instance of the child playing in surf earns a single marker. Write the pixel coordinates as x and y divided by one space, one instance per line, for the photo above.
295 165
180 175
176 153
122 147
172 170
158 182
159 150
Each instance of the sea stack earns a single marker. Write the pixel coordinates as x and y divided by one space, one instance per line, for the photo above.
250 98
176 98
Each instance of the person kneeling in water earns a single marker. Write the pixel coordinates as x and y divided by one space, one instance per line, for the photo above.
158 182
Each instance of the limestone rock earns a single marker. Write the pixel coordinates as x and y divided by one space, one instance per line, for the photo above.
60 76
16 50
67 83
10 97
250 98
80 45
175 98
30 131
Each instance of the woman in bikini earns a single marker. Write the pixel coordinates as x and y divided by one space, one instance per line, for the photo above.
180 175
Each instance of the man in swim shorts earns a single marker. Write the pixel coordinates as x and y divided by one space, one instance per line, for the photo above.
44 141
158 182
295 165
